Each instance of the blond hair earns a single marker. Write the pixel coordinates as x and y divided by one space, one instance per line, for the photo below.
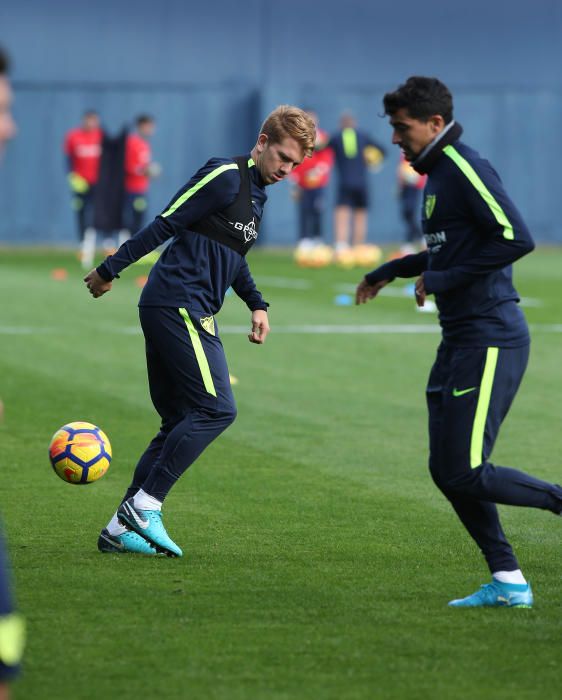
287 120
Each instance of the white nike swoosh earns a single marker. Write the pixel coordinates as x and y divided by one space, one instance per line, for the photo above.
140 522
113 543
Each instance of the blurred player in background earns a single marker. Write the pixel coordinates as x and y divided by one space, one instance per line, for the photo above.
11 624
213 221
355 151
410 190
139 169
474 233
82 148
311 178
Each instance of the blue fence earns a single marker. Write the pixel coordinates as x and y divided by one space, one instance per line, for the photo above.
210 71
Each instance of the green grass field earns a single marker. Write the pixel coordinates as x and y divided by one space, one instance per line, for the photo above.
320 556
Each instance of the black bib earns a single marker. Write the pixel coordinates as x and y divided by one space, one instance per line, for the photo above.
236 226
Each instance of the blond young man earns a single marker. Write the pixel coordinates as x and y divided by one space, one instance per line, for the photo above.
212 221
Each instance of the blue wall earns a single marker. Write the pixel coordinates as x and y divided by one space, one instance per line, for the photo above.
210 71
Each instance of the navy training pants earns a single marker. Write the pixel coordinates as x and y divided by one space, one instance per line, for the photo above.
190 389
469 393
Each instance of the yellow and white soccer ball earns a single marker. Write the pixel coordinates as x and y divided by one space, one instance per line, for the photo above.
314 256
367 255
80 453
345 257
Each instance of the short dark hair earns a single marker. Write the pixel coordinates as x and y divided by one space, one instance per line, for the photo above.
144 119
4 62
422 97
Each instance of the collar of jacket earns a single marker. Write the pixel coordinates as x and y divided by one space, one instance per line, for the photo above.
432 152
255 173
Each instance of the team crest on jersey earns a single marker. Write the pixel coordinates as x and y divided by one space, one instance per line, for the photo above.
208 324
430 200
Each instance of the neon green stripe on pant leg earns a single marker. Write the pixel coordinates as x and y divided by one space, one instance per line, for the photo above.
479 426
12 639
199 353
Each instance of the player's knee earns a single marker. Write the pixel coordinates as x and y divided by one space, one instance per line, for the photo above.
225 414
458 483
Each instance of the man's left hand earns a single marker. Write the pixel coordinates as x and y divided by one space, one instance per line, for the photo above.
420 291
260 327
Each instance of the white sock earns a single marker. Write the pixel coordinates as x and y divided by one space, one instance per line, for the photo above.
115 528
509 576
88 248
144 501
305 244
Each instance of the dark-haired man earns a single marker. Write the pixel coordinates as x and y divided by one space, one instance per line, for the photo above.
473 233
213 221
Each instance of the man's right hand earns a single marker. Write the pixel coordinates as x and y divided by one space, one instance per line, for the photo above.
96 284
366 291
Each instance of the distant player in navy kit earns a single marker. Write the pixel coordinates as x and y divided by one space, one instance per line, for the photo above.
473 233
212 221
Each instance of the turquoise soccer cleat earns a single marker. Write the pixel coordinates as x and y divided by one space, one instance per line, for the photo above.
498 595
148 524
121 544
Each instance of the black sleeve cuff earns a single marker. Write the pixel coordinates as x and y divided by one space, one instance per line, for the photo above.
104 272
384 272
259 306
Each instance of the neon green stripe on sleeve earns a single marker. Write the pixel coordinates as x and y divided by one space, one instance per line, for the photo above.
479 426
198 185
482 190
349 137
199 353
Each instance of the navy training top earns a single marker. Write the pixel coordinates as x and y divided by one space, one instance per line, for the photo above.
473 233
349 151
194 271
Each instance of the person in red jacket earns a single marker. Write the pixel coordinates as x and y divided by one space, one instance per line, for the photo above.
410 189
82 148
139 168
311 178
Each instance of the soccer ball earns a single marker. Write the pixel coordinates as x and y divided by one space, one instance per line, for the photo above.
367 255
80 453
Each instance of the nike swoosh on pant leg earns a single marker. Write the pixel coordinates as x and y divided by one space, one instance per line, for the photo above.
462 392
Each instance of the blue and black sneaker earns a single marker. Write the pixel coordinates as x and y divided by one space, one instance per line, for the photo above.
498 595
121 544
148 524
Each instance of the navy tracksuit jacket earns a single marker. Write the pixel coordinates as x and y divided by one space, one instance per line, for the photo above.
212 223
473 233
